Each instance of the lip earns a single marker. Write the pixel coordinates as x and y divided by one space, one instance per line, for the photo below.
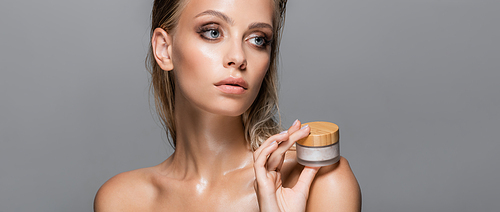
232 85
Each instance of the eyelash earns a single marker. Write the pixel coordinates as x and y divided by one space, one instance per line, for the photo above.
208 28
264 45
211 27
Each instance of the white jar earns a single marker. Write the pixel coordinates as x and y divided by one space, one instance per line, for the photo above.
321 147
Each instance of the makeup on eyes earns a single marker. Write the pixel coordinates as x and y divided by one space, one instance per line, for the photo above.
206 31
321 147
259 39
212 31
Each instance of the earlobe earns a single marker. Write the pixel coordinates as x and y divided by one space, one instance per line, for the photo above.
162 49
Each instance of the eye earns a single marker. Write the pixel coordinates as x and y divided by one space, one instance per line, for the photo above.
259 41
210 32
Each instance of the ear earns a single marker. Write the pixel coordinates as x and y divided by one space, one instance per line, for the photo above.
162 49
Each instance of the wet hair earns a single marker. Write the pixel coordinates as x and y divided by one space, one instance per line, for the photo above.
260 120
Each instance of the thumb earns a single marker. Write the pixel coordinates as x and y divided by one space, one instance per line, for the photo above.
305 180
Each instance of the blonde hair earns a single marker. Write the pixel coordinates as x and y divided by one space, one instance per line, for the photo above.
259 120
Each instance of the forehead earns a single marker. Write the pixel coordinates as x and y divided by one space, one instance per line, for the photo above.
241 11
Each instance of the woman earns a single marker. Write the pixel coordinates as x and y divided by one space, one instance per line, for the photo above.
213 66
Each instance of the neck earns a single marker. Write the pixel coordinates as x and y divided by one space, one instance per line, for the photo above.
208 146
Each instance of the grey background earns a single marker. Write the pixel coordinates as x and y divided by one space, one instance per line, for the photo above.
413 85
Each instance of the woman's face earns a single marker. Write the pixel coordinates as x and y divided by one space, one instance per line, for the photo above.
220 53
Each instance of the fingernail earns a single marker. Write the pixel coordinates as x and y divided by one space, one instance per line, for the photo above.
307 125
272 143
283 132
295 122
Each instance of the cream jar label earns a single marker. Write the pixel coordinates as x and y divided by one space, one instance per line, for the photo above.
321 153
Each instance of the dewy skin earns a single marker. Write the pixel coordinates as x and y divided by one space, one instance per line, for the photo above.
321 147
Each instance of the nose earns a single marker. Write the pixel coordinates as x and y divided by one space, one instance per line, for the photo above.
235 56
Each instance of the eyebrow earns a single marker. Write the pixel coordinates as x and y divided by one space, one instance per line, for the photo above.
216 14
230 20
260 25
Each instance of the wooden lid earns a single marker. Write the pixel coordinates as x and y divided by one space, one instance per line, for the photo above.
321 134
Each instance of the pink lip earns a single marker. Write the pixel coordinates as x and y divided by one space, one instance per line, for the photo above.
232 85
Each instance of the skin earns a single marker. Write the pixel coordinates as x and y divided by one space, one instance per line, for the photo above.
213 168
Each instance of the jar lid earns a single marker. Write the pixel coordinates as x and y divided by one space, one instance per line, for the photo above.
321 134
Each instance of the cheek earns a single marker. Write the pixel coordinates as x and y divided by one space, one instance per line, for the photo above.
261 65
192 63
196 66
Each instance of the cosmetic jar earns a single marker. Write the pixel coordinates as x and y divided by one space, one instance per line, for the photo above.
321 147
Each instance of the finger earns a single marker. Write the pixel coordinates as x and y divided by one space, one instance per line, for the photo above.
295 126
277 157
263 186
261 159
299 134
278 138
305 179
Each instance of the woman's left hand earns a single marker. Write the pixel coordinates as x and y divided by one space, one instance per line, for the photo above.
268 160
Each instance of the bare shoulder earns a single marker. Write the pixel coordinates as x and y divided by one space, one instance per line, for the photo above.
334 188
127 191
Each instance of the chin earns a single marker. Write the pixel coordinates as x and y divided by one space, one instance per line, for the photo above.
230 111
227 106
